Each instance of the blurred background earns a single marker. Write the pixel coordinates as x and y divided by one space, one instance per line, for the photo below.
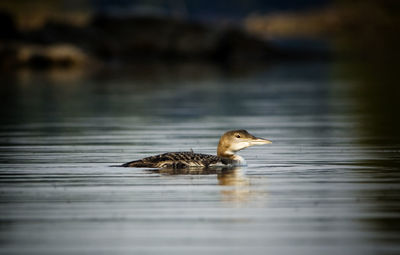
76 40
70 43
92 83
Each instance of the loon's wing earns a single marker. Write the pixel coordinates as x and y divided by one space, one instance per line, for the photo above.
175 160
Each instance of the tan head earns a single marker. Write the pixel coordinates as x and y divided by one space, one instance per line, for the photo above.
236 140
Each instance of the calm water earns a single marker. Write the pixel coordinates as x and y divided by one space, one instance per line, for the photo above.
329 184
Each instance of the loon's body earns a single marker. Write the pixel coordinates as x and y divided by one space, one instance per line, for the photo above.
229 144
179 160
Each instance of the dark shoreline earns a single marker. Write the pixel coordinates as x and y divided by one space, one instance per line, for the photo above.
108 39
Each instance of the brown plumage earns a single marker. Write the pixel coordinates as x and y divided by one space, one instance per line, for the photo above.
177 160
229 144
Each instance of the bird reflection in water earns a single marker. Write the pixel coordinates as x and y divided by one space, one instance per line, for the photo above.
235 185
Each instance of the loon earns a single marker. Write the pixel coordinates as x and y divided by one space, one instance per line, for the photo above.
229 144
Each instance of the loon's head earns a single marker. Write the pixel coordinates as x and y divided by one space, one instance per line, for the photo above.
236 140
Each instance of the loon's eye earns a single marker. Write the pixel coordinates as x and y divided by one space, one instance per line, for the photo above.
237 136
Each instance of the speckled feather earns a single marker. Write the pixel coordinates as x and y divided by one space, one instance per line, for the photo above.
178 160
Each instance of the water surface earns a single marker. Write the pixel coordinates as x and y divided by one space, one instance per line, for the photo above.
329 183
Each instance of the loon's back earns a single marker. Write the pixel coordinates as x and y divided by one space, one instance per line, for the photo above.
178 160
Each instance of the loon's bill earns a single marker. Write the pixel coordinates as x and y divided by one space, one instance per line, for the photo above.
229 144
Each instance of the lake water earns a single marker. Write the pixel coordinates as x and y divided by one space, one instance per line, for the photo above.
328 184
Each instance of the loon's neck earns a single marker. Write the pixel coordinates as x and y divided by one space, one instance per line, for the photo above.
236 159
239 161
